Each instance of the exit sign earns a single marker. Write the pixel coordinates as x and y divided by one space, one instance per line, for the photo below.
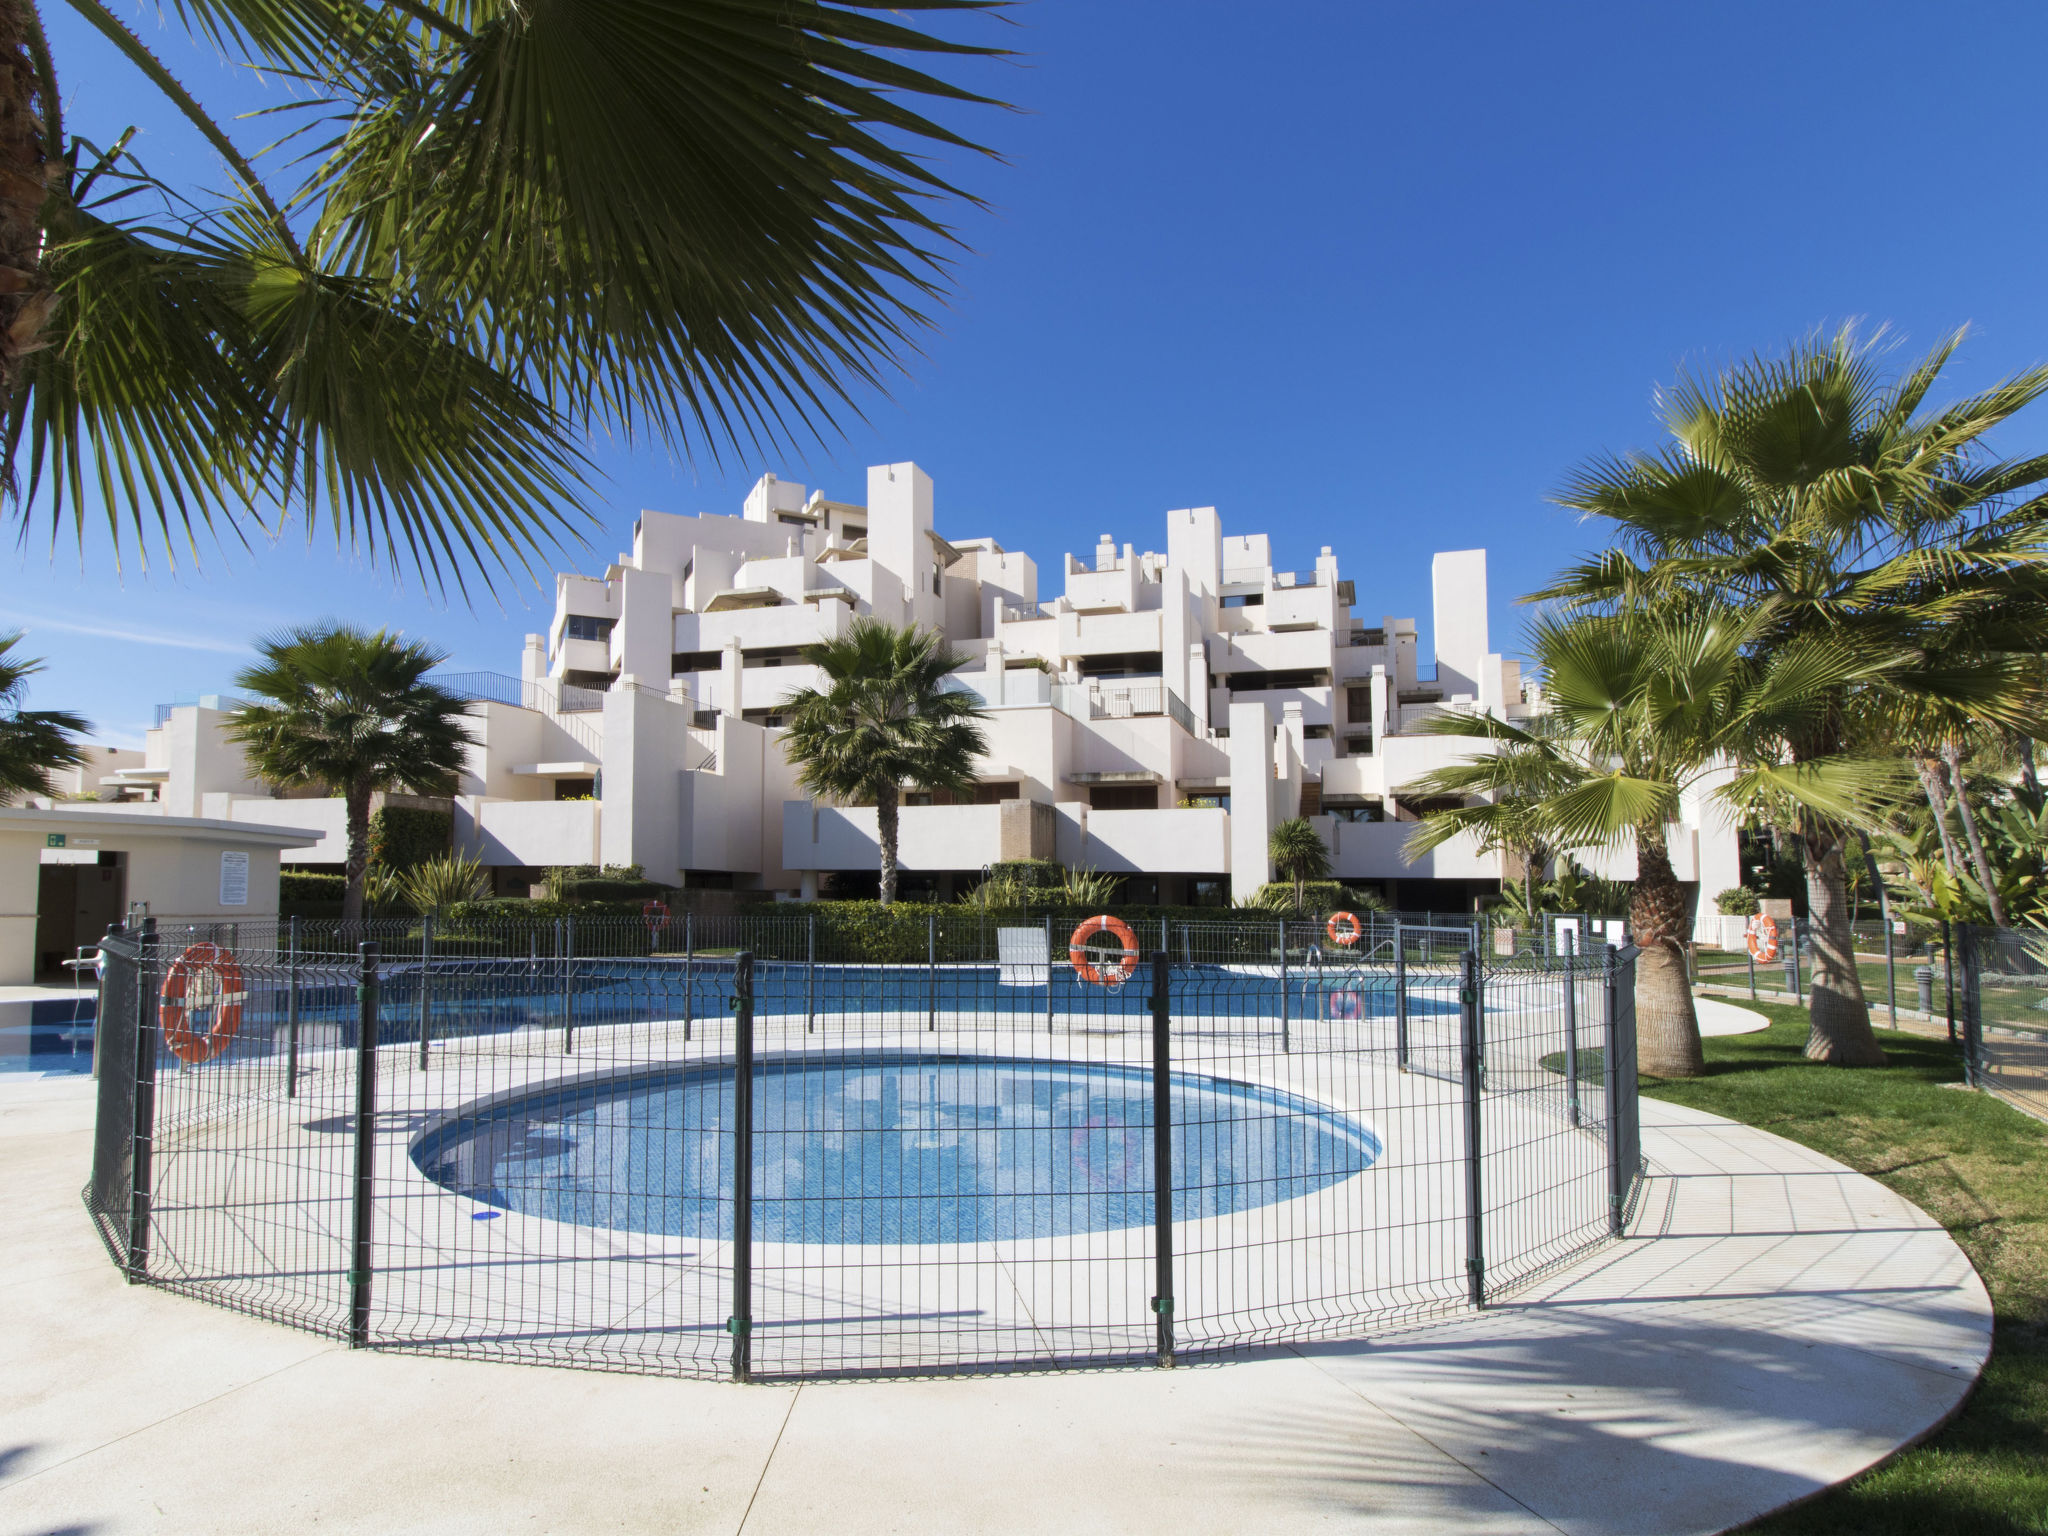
54 840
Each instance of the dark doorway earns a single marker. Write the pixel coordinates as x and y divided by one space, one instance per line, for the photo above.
75 904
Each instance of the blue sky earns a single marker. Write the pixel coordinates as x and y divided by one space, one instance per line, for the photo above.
1360 274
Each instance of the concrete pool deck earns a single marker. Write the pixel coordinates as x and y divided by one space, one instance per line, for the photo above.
1775 1324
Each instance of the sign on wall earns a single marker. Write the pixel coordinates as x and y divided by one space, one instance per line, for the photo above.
234 879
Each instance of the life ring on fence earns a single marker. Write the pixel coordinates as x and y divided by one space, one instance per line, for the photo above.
1113 971
204 977
1760 933
1344 928
654 914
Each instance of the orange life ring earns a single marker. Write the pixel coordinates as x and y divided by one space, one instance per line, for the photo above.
1112 972
204 977
1349 933
654 914
1761 935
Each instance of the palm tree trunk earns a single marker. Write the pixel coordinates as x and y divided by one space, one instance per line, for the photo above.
2023 744
885 834
1667 1025
1930 770
1954 759
356 802
1840 1032
25 298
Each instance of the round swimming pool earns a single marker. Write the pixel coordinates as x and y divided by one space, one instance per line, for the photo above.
892 1149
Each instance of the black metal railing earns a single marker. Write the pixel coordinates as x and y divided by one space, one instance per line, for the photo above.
745 1158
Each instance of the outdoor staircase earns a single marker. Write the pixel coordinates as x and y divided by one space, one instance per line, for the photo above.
1312 797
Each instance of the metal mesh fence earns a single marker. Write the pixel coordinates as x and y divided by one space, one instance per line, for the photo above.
742 1156
2002 1013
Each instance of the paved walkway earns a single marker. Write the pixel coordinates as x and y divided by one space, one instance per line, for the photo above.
1777 1324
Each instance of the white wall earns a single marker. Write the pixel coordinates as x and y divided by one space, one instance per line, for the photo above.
1458 591
820 836
1159 842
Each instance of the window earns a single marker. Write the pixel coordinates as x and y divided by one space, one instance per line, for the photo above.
1245 600
850 533
773 656
771 718
1358 705
583 627
1242 682
1123 797
994 794
575 789
695 661
1208 893
1315 733
1124 664
1369 810
792 520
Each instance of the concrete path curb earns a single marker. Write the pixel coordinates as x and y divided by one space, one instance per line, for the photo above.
1777 1325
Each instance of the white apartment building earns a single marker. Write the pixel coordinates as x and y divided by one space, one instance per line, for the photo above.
1153 718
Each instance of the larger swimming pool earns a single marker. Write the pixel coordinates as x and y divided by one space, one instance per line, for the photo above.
888 1149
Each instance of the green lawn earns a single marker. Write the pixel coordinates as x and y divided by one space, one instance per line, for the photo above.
1978 1167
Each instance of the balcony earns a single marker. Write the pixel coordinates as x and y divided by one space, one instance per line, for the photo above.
1118 699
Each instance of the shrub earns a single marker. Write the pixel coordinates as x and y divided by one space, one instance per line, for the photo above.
1321 896
1738 901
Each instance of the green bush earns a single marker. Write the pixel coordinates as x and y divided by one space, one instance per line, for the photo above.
604 882
401 836
1738 901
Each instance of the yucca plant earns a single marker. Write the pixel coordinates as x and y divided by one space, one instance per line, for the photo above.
485 232
1088 887
433 885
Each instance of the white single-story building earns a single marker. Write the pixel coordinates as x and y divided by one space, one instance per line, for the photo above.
65 874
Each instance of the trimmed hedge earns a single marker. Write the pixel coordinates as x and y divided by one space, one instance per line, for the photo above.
864 931
296 885
401 836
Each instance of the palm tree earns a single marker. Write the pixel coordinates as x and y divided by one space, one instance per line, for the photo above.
351 711
883 722
1526 765
1644 706
1298 854
484 232
33 742
1815 486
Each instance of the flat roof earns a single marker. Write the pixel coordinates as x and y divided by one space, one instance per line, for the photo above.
14 818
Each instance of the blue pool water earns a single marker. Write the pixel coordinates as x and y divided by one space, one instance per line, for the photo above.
47 1035
893 1149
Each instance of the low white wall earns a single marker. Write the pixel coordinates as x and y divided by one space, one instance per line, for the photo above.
1374 850
1159 842
928 836
536 832
327 818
